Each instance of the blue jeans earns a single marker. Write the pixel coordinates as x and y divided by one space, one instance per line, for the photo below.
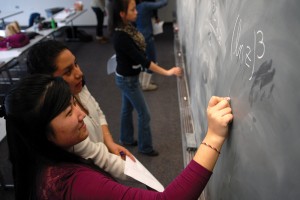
132 97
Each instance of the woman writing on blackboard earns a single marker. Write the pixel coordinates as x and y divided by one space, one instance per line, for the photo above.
43 120
130 49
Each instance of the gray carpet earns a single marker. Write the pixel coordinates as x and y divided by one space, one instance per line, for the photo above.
163 104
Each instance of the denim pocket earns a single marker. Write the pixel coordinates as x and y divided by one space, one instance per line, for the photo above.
132 82
127 83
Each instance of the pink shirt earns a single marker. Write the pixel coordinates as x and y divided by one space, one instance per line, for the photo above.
70 181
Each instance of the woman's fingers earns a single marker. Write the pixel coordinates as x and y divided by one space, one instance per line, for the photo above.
219 112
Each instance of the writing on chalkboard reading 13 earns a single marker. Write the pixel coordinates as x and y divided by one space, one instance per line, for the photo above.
245 53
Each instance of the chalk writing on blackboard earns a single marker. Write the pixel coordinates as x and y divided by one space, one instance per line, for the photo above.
247 54
214 25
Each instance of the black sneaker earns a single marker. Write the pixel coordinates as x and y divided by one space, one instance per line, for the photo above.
133 144
151 153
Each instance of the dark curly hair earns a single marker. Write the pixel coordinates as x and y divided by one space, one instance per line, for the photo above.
42 56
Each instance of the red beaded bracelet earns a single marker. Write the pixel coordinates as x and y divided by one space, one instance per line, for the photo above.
211 147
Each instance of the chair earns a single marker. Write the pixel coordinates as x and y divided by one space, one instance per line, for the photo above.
6 174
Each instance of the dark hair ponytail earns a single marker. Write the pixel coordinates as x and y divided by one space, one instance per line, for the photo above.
119 6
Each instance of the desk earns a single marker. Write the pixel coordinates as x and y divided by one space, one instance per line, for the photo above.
4 15
66 17
7 55
10 68
9 58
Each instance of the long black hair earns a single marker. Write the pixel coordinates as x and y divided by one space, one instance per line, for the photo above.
29 108
119 6
42 57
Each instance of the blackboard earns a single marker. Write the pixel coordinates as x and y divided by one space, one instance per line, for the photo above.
248 50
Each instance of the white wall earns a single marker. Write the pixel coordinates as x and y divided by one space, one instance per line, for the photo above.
87 19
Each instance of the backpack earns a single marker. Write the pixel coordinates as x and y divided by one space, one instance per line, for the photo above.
15 41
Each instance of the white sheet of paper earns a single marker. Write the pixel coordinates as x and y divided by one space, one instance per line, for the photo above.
63 15
111 64
137 171
157 27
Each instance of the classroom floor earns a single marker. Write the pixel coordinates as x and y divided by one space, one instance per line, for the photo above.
163 105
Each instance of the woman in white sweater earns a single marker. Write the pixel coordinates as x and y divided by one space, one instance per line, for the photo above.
54 58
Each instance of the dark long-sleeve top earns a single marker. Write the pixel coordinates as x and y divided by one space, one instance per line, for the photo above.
128 55
70 181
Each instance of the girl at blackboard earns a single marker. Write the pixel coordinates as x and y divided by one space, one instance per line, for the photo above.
130 48
43 120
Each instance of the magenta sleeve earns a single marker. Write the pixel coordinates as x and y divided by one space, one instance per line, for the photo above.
190 183
88 184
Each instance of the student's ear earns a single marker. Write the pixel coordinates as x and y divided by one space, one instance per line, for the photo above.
50 135
122 14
